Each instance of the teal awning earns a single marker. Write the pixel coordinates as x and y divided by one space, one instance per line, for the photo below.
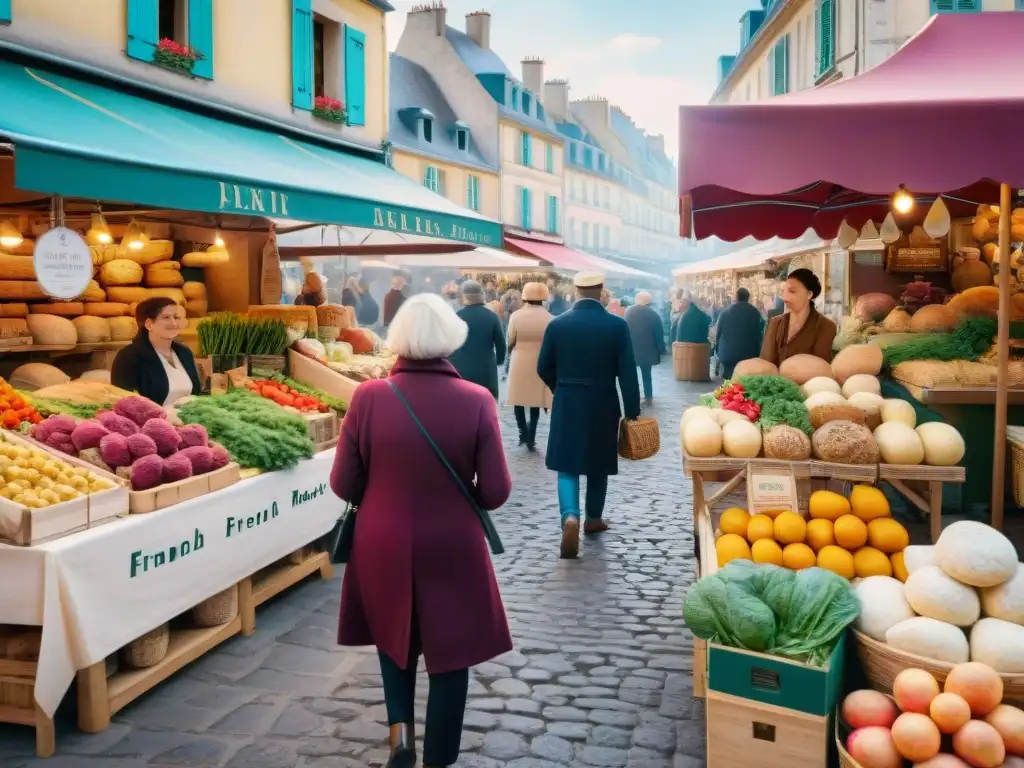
80 139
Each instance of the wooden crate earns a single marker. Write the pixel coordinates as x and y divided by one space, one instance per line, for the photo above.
313 373
752 734
169 494
323 429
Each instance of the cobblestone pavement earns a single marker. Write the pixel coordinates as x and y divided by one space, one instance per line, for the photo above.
600 674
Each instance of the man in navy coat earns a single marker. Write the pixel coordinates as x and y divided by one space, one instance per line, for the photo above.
584 352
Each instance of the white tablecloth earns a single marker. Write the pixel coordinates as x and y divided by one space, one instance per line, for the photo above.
94 592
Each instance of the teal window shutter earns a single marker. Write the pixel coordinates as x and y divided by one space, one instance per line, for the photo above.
824 37
1019 5
473 193
549 159
431 179
302 54
527 150
780 66
5 11
525 205
552 214
143 28
962 6
355 76
200 36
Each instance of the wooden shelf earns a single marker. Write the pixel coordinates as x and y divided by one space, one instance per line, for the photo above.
278 578
101 346
961 395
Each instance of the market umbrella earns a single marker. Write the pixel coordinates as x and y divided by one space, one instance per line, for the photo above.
939 117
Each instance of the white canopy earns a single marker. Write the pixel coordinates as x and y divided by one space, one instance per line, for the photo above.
754 255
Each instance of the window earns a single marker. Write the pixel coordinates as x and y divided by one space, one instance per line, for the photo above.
607 197
588 157
780 66
432 179
473 193
586 234
514 104
527 102
607 237
825 36
462 139
552 214
318 57
526 150
525 206
549 158
961 6
572 152
187 22
540 107
427 129
602 162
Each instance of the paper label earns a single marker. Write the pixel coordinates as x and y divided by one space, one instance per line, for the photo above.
63 263
771 490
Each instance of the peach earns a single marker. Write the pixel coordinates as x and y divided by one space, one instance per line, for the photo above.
916 737
873 747
978 684
943 761
864 708
979 745
914 690
950 712
1009 721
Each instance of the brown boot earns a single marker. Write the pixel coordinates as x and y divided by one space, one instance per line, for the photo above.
570 539
595 526
402 741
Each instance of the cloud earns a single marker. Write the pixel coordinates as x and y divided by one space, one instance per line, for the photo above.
629 43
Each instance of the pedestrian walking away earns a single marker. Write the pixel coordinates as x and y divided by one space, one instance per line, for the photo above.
526 329
419 578
584 352
738 336
477 360
393 299
647 333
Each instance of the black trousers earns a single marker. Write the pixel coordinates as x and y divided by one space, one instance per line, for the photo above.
446 702
528 431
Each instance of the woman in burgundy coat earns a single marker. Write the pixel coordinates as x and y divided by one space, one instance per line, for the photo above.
419 579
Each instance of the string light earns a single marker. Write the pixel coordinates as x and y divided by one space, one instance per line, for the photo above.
902 201
10 237
99 232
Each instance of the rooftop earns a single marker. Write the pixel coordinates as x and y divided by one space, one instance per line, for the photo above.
654 165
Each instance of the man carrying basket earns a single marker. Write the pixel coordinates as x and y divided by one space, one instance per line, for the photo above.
584 352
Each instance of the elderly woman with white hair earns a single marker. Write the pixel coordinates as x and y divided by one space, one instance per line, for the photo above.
421 457
648 335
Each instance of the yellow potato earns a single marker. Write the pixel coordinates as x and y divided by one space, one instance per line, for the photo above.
37 463
80 471
21 452
63 477
44 483
65 491
21 462
50 496
7 493
12 472
15 487
50 470
18 499
30 475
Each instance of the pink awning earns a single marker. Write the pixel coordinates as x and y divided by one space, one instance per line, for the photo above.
571 260
940 116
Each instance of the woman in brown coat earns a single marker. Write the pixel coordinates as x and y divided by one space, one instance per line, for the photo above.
526 329
802 330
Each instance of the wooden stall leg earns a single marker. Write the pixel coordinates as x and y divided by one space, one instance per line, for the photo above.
93 701
246 606
46 738
935 504
326 569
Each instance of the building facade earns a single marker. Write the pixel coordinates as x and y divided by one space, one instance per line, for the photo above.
790 45
502 116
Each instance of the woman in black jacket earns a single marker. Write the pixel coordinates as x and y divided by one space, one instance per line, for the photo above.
154 364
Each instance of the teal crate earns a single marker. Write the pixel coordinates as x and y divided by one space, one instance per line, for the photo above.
777 681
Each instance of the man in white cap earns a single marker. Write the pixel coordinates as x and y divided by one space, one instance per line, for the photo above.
584 353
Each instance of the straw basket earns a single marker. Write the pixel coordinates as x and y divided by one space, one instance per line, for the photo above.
845 761
266 364
1015 437
882 663
217 610
639 439
691 362
148 650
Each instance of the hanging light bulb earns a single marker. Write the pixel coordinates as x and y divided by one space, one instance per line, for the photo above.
869 231
10 237
134 237
890 232
902 201
847 235
99 232
937 222
218 242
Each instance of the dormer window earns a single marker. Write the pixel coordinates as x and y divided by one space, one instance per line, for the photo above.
527 102
572 152
461 136
427 129
515 98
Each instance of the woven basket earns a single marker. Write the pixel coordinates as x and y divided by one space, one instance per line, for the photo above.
926 373
845 761
148 650
1015 437
1015 373
639 439
882 663
976 374
691 362
217 610
327 333
266 364
21 645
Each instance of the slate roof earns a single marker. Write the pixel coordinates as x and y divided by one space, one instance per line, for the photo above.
414 92
654 166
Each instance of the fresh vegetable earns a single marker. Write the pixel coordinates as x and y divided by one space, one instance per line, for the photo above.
114 422
33 478
792 414
165 436
193 435
969 341
286 396
200 457
176 467
230 334
139 409
147 472
334 403
88 435
734 398
50 407
257 433
141 445
220 456
15 408
762 389
114 450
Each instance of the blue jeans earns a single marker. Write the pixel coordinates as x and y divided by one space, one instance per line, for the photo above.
569 496
645 377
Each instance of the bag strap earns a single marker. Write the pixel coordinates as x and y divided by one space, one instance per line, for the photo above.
493 540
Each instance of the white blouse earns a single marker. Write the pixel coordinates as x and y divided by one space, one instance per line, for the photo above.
179 385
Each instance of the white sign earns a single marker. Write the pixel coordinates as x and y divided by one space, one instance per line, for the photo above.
63 263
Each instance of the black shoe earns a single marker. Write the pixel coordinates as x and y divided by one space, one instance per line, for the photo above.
403 750
522 437
531 446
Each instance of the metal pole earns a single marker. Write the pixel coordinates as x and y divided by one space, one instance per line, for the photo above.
1003 350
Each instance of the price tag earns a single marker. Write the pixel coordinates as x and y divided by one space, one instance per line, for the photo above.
63 263
771 490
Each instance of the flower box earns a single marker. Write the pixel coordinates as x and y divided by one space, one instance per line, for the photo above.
330 110
175 56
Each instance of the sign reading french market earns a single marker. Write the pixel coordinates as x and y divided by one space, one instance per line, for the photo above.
63 263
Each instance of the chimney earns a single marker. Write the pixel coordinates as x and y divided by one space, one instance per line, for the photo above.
593 110
657 143
478 28
556 99
434 16
533 75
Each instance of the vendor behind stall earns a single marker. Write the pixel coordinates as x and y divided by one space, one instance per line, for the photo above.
802 330
154 364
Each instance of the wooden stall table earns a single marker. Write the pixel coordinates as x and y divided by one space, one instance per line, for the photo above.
934 478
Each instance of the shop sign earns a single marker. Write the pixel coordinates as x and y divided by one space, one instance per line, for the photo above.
252 200
63 263
411 224
917 253
771 490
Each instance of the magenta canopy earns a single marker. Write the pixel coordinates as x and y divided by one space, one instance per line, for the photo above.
942 116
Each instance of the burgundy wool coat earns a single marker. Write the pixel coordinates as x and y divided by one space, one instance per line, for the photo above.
416 536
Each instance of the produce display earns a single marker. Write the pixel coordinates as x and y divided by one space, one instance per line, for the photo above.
767 609
961 723
295 396
853 538
959 600
17 409
34 478
256 432
227 333
354 366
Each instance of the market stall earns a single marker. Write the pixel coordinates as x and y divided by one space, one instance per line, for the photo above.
869 153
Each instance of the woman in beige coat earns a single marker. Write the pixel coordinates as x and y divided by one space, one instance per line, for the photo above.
526 329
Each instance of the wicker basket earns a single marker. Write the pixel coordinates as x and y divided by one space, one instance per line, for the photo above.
217 610
639 439
1015 437
21 645
691 362
148 650
976 374
265 364
882 663
845 761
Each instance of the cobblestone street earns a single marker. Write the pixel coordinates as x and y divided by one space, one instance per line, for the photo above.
600 674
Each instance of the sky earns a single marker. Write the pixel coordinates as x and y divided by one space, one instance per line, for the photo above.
645 56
